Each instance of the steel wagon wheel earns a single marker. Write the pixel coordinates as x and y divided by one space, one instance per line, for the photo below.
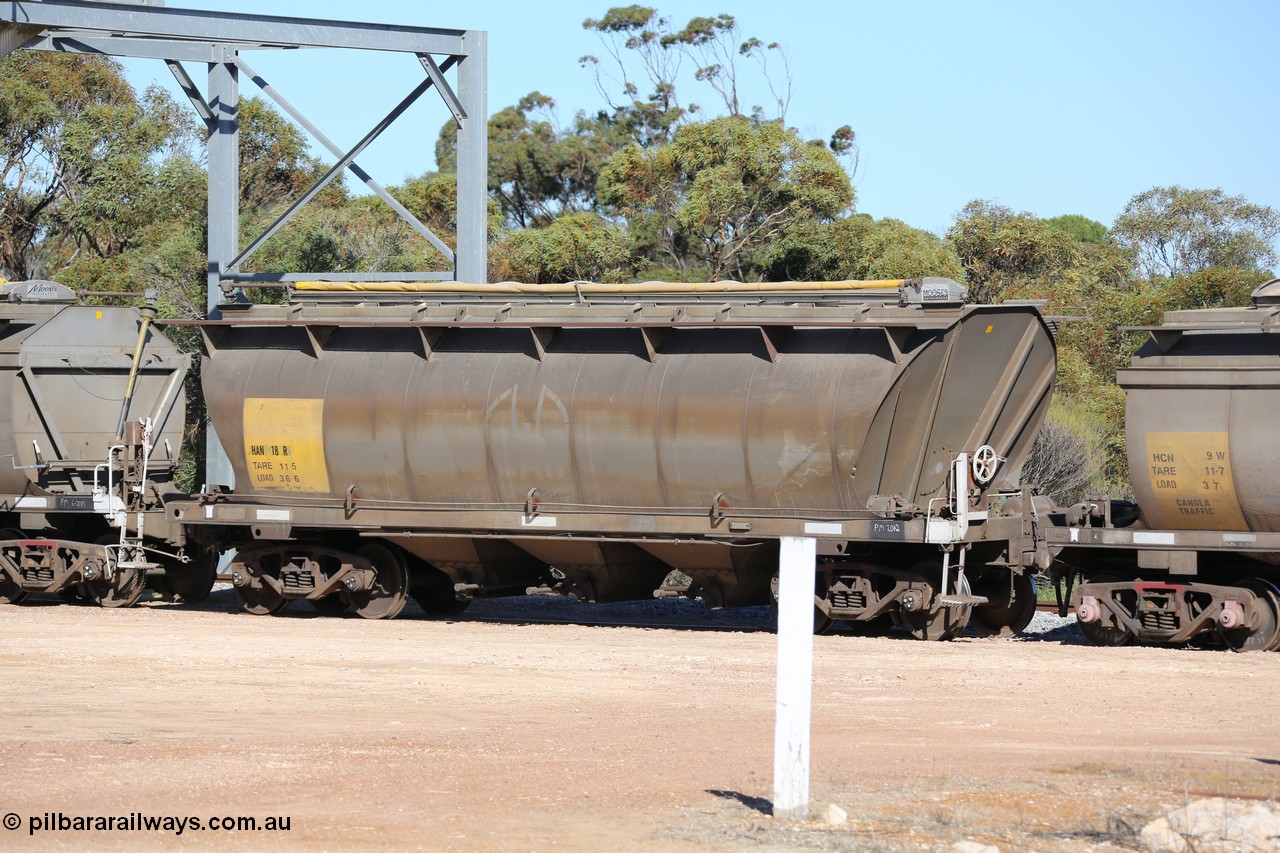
1104 635
390 590
1011 606
1266 636
939 622
261 600
10 592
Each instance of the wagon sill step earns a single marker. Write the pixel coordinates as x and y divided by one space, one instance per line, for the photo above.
961 600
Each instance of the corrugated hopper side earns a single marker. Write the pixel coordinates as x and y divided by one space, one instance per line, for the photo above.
792 410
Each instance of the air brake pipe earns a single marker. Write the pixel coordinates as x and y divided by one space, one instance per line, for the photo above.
148 311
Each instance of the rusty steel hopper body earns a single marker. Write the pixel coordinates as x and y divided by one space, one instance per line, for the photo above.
789 411
613 436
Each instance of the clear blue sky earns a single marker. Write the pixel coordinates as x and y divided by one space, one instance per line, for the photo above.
1049 108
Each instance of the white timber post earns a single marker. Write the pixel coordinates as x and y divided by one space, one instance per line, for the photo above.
796 574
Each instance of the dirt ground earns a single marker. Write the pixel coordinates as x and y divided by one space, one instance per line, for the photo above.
497 732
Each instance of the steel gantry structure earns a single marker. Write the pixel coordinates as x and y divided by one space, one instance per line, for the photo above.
150 30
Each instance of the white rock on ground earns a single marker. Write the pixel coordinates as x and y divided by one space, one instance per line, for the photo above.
1160 837
1216 825
973 847
836 816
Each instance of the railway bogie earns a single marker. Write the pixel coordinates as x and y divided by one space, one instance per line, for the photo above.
370 578
1242 615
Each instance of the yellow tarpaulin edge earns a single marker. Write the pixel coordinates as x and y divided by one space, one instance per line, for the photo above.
592 286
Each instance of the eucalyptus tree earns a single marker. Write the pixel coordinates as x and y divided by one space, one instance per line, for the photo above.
1173 231
85 165
722 190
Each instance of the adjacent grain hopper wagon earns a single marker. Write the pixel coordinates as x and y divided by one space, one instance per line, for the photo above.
1200 557
91 420
452 441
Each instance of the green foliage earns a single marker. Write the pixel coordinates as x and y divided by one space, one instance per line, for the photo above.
361 235
1218 287
1068 459
123 196
723 189
999 248
647 51
859 248
1172 231
1082 228
537 172
433 199
275 166
630 20
844 144
633 35
578 247
893 249
84 165
712 42
117 177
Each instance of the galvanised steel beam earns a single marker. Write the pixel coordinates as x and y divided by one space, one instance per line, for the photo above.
182 51
284 279
436 73
206 27
224 174
473 160
193 94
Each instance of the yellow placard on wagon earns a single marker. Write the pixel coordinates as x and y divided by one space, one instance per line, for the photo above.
1190 475
284 444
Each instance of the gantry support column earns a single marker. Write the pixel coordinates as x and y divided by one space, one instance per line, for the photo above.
473 160
224 217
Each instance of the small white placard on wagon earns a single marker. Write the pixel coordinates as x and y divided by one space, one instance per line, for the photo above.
823 528
273 515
